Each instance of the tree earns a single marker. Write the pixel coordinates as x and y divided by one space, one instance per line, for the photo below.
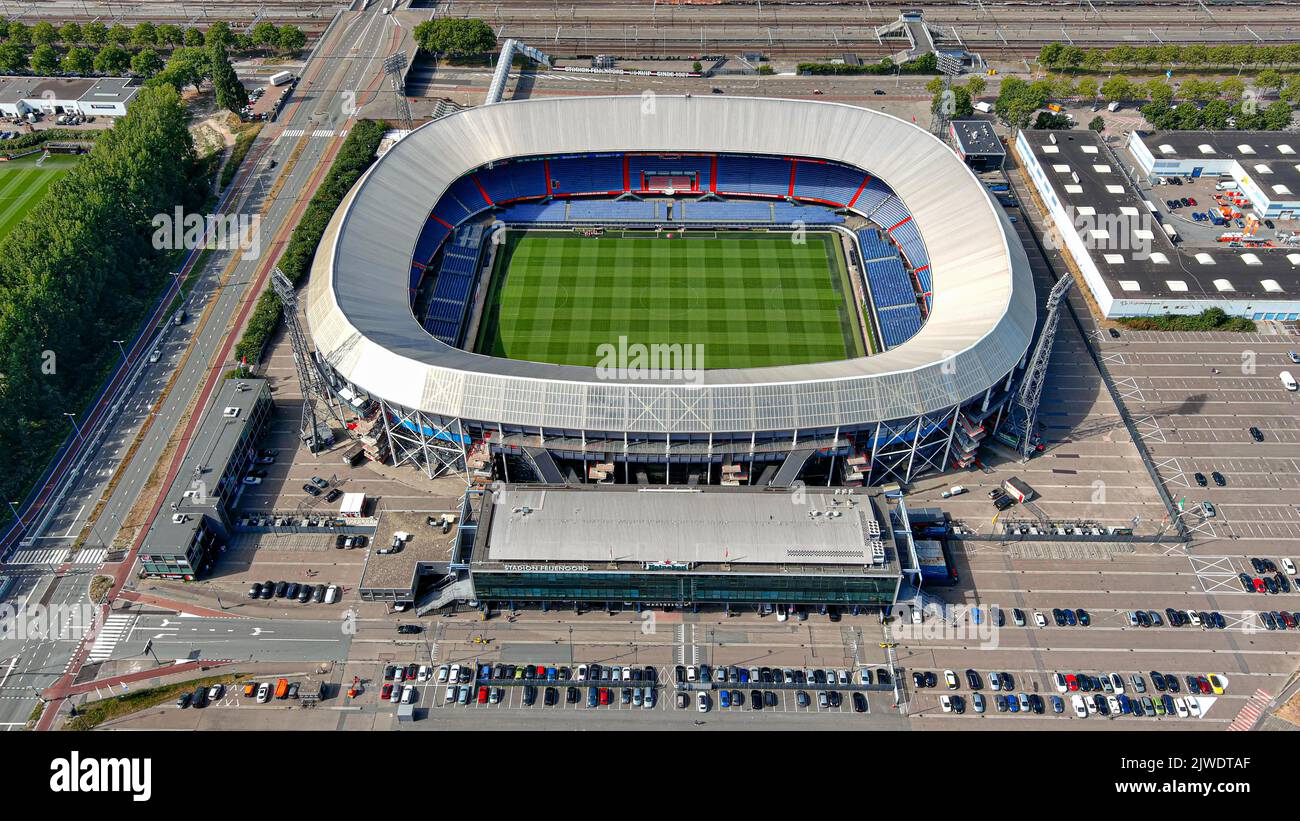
1158 91
697 66
1087 89
170 34
44 34
242 43
96 34
1118 88
1187 116
1050 55
1276 116
112 60
231 94
79 60
1268 79
266 35
4 28
976 84
186 66
1098 124
219 33
70 34
453 37
194 38
44 60
1160 115
119 35
1017 101
1215 115
146 63
20 34
13 57
934 85
291 39
1233 88
1049 119
144 35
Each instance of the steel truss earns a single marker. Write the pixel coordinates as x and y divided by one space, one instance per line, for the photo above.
439 452
311 379
901 450
1024 409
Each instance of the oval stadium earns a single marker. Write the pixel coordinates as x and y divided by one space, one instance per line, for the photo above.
665 290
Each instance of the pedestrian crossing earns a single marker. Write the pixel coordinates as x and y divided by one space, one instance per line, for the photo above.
93 556
52 555
115 627
1251 712
318 132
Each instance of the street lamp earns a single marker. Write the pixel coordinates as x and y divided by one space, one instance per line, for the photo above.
119 342
72 417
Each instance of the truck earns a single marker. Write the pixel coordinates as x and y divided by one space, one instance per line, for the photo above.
1113 105
1227 185
352 455
1017 489
1054 107
280 78
282 688
983 107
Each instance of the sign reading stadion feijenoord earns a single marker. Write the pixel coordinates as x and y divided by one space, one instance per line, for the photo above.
545 568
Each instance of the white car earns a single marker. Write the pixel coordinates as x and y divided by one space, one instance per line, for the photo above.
1080 711
1193 706
155 355
843 677
1059 681
950 678
781 613
263 693
1180 704
955 490
396 695
443 672
702 702
1113 704
423 674
995 681
252 480
692 673
450 695
408 694
453 677
946 703
1288 566
582 672
1195 619
1039 620
1117 683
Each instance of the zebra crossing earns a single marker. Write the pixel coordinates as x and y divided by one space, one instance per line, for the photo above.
51 555
115 627
1250 713
318 132
60 555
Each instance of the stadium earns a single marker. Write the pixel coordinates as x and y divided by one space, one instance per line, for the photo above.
673 290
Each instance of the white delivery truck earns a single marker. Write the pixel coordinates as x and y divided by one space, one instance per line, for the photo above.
280 78
1288 381
1113 106
1227 185
984 108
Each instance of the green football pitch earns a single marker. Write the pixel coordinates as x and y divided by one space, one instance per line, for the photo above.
751 300
23 183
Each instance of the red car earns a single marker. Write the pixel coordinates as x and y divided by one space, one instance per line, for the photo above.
1204 685
482 695
604 695
1191 201
1259 586
1072 683
386 693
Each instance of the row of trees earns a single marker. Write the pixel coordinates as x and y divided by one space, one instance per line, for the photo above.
69 50
354 157
265 35
1061 56
925 64
455 37
79 270
960 98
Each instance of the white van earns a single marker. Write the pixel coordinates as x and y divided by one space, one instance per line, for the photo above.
1288 381
1225 186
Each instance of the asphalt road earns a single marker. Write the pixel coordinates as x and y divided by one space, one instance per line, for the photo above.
234 639
339 71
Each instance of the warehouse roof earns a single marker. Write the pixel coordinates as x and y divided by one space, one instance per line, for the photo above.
975 136
1272 158
695 526
1126 239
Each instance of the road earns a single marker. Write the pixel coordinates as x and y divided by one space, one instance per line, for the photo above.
341 69
234 639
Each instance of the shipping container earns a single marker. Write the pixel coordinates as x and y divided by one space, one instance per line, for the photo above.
1017 489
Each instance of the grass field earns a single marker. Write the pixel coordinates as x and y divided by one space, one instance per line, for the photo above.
751 300
23 183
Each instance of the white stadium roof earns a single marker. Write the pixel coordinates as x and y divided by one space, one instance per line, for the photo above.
362 323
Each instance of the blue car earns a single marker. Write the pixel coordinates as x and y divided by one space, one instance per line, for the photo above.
552 674
1058 706
724 698
744 676
593 698
1013 705
1125 706
1070 618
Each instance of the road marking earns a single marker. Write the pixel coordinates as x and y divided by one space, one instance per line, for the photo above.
109 635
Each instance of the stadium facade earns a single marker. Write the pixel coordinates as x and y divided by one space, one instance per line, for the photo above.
935 388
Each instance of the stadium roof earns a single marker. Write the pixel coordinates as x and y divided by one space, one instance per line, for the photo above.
1151 266
361 320
698 526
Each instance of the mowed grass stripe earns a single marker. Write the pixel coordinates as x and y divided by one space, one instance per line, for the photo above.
23 184
750 300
